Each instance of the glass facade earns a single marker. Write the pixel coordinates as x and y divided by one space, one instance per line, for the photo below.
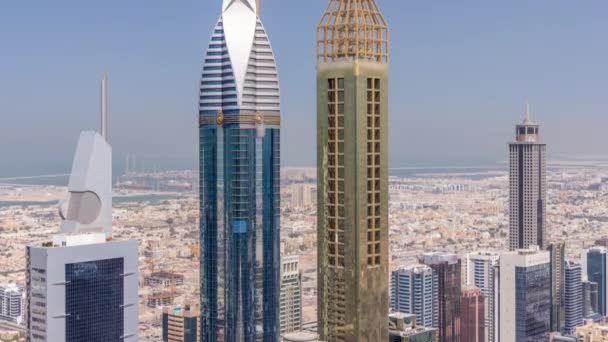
239 146
533 303
239 233
596 272
94 301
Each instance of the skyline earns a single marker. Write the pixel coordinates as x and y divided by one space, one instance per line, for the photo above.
440 77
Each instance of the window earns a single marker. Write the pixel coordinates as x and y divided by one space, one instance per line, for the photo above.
373 171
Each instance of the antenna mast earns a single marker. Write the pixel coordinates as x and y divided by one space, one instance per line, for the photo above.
104 106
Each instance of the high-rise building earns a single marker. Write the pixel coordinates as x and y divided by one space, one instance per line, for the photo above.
480 267
11 301
239 150
352 166
573 297
589 299
557 251
449 275
414 290
525 296
527 187
181 324
597 269
291 295
472 315
82 285
403 328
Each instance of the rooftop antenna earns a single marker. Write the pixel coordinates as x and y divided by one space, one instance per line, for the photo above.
257 10
104 106
527 114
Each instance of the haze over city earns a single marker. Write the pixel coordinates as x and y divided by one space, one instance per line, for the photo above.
459 75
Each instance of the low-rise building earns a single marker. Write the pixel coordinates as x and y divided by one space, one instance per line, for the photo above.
181 324
402 328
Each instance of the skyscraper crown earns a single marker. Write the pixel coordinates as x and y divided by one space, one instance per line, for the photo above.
352 30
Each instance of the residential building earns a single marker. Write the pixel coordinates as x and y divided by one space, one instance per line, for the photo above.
291 295
414 290
472 315
239 154
525 296
557 251
181 324
593 332
573 297
11 301
480 267
352 166
527 187
448 269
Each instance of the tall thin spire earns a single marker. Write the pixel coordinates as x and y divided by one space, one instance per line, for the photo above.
104 106
527 119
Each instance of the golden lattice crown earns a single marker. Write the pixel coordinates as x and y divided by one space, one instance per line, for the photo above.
352 30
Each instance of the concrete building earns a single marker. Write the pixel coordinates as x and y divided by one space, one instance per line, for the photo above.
472 315
181 324
403 328
11 302
415 290
558 261
480 268
525 296
594 332
164 279
83 285
301 336
239 143
291 295
449 274
597 270
352 166
527 187
573 297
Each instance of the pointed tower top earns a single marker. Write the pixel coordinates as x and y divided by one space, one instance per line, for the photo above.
527 120
352 30
251 4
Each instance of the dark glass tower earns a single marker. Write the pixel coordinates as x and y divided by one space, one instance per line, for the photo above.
239 120
449 275
527 187
596 272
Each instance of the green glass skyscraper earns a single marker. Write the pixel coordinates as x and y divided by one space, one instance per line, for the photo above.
352 164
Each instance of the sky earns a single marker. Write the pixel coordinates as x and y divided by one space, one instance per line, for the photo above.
460 72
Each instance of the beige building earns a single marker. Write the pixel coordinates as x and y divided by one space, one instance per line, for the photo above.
181 324
352 166
594 332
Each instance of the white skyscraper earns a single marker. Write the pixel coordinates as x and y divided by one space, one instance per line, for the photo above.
82 285
414 290
525 296
573 297
291 295
527 187
480 267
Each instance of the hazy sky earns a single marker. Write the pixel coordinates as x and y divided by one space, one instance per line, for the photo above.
460 72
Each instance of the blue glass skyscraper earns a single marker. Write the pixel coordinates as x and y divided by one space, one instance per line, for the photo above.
597 269
239 126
